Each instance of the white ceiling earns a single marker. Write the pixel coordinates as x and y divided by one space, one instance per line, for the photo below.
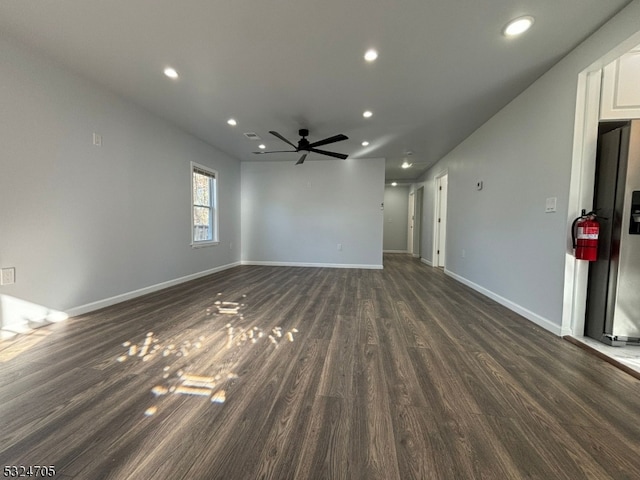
444 67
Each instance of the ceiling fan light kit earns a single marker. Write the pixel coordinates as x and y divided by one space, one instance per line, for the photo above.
305 146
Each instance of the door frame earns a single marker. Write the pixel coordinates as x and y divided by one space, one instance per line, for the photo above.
439 201
417 223
410 222
582 183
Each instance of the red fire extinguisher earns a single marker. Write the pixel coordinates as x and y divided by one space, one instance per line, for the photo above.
584 232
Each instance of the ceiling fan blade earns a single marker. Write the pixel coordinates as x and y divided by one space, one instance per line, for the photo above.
341 156
282 138
326 141
278 151
299 162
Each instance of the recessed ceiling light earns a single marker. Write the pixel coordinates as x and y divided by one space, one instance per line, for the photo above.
171 72
518 26
232 122
262 146
365 143
406 164
370 55
367 114
394 184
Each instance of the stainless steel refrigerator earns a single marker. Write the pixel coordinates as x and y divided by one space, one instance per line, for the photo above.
613 294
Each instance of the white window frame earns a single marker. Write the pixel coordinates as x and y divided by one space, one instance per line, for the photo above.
213 197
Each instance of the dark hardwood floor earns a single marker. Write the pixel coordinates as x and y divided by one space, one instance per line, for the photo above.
401 373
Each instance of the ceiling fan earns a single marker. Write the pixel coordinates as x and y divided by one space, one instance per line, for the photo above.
305 146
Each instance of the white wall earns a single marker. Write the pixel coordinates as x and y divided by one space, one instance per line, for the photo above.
82 223
396 218
514 250
298 214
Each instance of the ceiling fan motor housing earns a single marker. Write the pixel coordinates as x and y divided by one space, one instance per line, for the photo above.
303 143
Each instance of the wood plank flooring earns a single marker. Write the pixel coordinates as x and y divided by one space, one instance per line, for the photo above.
401 373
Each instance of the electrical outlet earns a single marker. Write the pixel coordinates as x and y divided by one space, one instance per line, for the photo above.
7 276
97 139
230 245
339 247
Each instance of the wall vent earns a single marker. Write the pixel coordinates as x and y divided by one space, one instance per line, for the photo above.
252 136
7 276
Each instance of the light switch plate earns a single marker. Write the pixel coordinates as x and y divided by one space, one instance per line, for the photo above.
551 205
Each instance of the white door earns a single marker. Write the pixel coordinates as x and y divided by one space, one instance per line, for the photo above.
417 224
440 229
410 223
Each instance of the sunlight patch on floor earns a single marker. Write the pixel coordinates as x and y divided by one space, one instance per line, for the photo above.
230 340
19 322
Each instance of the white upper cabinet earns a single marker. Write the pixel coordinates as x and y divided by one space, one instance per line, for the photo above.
621 88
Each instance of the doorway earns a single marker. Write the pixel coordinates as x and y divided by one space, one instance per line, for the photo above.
440 220
417 223
410 221
582 183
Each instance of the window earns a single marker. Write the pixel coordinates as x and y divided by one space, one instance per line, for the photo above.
204 196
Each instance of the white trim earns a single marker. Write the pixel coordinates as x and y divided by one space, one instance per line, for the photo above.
395 251
107 302
204 244
303 264
426 262
528 314
581 187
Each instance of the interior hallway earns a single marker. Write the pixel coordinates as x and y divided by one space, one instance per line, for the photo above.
314 373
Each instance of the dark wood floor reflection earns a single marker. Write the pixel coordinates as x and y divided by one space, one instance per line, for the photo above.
401 373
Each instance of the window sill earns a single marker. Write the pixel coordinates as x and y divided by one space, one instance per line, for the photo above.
203 244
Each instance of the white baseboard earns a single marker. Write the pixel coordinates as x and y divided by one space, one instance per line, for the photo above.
426 262
317 265
395 251
528 314
89 307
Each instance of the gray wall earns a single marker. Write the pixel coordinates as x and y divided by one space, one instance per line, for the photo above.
82 223
523 155
298 214
396 218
